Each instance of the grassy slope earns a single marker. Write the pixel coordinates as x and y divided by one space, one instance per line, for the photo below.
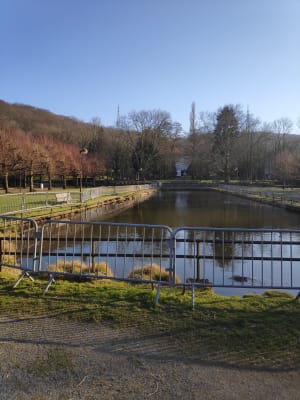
260 330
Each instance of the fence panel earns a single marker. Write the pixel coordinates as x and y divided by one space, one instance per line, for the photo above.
106 250
11 202
217 257
18 202
18 243
245 258
93 193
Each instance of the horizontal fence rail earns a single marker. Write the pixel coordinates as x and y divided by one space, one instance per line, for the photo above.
18 202
186 256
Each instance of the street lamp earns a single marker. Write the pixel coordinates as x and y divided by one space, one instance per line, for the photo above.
82 152
139 172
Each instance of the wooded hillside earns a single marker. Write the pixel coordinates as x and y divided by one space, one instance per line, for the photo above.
145 145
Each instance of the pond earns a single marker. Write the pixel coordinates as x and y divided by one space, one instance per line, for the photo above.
217 210
205 208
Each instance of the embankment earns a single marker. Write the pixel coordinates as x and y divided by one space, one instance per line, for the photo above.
104 206
273 199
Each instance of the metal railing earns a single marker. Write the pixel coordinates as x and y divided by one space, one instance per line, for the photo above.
185 256
107 250
20 202
288 196
18 243
93 193
245 258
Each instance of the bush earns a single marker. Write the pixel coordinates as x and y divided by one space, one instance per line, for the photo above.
151 272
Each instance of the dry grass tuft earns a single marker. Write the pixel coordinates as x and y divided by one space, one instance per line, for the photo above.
8 249
78 267
151 272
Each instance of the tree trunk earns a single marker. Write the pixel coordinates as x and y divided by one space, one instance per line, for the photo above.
226 169
5 182
31 187
25 180
49 182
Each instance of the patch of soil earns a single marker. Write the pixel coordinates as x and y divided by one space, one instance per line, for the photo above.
47 358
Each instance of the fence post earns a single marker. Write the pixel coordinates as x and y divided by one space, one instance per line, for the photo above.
198 260
172 267
193 296
93 256
1 254
23 201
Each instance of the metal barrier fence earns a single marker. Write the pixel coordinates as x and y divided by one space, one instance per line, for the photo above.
106 250
93 193
186 256
18 202
245 258
10 203
289 197
18 243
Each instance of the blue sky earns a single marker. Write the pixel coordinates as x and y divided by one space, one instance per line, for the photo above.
83 58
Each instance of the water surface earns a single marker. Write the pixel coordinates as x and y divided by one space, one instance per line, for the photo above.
206 208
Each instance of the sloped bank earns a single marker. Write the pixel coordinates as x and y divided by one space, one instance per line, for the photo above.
117 204
264 199
103 206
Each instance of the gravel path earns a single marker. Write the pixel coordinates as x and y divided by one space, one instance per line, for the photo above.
47 358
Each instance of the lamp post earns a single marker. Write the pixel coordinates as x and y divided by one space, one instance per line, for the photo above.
83 152
138 176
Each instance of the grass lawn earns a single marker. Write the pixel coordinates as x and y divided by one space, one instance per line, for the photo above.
259 329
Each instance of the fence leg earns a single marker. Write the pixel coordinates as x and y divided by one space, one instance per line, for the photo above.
193 297
23 274
1 255
50 281
198 261
93 257
157 294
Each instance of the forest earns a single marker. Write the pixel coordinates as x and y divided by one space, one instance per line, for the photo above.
228 144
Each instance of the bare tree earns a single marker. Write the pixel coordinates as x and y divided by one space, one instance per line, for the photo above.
281 127
10 152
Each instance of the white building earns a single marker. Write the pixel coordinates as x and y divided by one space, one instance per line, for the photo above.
181 167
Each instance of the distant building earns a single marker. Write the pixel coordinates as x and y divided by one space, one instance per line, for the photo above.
181 167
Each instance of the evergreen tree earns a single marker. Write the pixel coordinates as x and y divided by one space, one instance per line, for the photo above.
225 134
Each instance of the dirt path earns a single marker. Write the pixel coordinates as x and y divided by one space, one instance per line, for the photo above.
47 358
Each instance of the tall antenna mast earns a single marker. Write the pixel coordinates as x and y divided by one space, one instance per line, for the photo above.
118 117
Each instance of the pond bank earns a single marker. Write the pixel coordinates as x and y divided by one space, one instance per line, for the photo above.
289 199
105 205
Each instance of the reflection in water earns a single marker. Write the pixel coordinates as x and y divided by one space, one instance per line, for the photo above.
205 208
